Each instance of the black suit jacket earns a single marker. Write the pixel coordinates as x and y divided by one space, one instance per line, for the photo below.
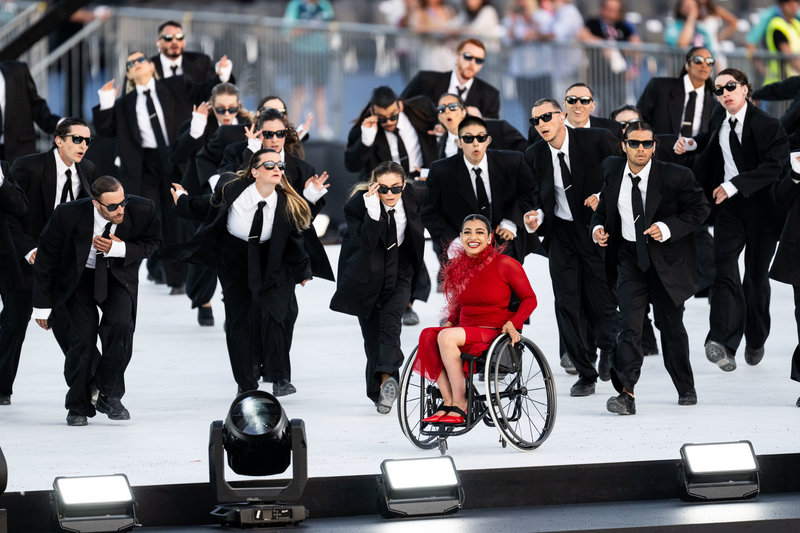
673 197
363 255
13 203
788 89
661 105
786 194
65 242
23 107
196 66
588 148
451 196
177 95
504 137
594 122
361 158
434 84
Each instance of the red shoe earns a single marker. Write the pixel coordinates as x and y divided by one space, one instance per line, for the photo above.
451 419
432 419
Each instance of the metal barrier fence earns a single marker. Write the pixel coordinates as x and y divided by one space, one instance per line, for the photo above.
331 68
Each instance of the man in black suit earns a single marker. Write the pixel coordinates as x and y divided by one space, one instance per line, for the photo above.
647 216
47 179
391 129
172 60
566 164
739 159
88 258
452 110
495 183
20 107
12 203
481 98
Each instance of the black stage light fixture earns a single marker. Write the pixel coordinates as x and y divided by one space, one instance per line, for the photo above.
419 487
3 485
718 471
94 503
260 441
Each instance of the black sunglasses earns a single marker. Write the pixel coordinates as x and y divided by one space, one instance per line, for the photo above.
132 62
544 117
730 87
635 144
391 118
269 165
231 110
383 189
113 207
625 123
469 57
699 60
452 107
282 111
169 36
280 134
480 138
572 100
78 139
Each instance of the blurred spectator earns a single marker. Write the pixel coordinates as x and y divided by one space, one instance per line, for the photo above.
310 57
527 27
757 34
783 36
437 18
700 23
479 19
567 24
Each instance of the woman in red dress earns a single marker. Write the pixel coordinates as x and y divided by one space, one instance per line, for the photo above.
478 285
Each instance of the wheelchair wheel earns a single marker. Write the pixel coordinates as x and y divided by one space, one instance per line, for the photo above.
520 391
418 399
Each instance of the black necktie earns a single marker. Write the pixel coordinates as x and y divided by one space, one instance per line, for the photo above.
253 253
392 252
736 147
642 257
66 190
566 179
401 151
174 69
484 207
688 115
161 143
461 91
101 272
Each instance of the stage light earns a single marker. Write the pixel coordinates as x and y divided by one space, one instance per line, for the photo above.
259 440
417 487
94 503
718 471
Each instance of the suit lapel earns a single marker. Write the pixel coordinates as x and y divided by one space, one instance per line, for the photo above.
49 183
653 194
85 191
675 104
577 164
497 183
280 232
129 110
547 184
708 104
465 183
82 238
747 140
167 105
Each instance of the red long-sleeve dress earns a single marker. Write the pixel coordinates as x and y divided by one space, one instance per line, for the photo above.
482 310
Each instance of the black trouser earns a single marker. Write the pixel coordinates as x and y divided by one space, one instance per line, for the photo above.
795 372
201 280
704 243
14 319
82 364
381 333
577 268
635 290
741 306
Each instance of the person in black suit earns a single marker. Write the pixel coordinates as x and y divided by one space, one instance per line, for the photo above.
47 179
452 110
253 239
88 258
384 244
145 121
646 218
499 189
173 60
788 89
738 160
481 98
19 109
391 129
567 164
12 203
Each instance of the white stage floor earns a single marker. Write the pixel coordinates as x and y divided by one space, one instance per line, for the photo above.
179 381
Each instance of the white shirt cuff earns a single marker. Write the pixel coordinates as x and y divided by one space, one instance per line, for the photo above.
540 220
795 163
665 232
198 125
41 314
454 248
212 181
690 145
106 99
373 205
312 194
368 135
595 229
224 73
509 225
254 145
730 188
117 249
181 193
29 254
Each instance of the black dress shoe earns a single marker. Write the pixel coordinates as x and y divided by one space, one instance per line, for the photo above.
113 408
582 387
720 356
77 420
687 398
205 316
177 291
5 399
798 402
566 363
604 365
283 388
410 317
624 404
753 356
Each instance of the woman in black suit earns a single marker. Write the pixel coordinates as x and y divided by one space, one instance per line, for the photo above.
253 239
379 266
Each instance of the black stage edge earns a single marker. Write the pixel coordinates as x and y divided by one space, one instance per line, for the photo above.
349 496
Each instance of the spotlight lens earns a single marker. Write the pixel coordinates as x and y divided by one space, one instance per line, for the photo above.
255 415
93 490
724 457
420 473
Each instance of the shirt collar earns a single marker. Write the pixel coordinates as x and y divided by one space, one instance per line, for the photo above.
167 62
688 87
564 146
151 85
570 125
99 221
454 81
398 206
644 173
483 165
61 167
739 116
403 123
272 199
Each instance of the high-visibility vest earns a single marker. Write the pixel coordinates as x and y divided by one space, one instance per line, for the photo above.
778 69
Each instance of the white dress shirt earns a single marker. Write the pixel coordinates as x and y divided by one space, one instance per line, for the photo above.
142 116
241 212
562 209
698 103
454 85
587 125
729 167
310 192
484 166
373 205
167 63
61 177
450 145
410 141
